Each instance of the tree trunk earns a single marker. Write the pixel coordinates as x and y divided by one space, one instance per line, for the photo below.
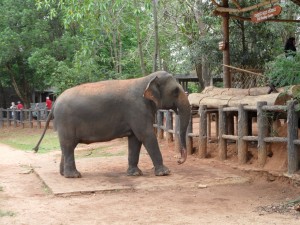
22 92
226 51
119 63
140 47
205 72
198 68
156 40
2 96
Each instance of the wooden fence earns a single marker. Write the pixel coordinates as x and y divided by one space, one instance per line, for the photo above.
14 117
262 112
167 121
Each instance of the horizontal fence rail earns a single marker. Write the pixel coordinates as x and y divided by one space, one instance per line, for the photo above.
263 113
15 117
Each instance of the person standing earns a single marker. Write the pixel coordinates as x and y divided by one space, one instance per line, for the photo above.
48 103
290 47
36 111
12 107
19 107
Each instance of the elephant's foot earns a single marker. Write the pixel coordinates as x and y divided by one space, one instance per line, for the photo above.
162 170
70 173
134 171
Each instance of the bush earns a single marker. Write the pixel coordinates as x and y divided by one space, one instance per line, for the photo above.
284 71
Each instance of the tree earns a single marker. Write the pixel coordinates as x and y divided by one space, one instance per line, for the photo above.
63 43
17 32
31 47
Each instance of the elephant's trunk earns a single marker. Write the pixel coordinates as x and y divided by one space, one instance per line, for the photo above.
184 112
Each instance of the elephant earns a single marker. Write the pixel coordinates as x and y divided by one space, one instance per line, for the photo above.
106 110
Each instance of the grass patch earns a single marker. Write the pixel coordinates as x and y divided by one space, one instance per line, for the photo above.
7 213
99 152
1 188
25 139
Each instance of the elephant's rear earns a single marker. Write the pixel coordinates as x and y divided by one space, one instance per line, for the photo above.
85 111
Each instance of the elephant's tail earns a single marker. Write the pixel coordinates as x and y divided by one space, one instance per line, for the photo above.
36 148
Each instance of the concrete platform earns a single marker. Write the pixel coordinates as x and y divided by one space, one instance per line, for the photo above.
109 174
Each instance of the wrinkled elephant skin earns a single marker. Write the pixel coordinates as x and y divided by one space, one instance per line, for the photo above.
102 111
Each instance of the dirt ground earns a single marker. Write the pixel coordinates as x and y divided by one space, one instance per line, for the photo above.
201 191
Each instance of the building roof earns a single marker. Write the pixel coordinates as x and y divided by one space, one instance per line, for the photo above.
186 77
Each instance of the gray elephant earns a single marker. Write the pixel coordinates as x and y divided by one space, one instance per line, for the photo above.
105 110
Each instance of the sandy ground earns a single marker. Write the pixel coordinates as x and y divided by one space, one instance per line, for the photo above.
201 191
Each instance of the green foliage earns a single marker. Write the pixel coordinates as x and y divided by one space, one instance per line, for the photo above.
193 88
43 64
29 46
284 71
62 43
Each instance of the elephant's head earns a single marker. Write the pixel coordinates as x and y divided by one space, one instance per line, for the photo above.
166 93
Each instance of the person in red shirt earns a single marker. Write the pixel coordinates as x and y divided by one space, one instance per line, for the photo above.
48 103
19 107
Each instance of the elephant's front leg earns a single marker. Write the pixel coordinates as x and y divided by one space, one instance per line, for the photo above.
134 148
152 147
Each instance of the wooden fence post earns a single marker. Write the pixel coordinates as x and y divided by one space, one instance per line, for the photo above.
160 131
222 130
208 123
1 118
217 124
189 139
202 152
8 113
30 118
169 126
22 118
242 131
292 121
15 117
262 124
38 118
177 141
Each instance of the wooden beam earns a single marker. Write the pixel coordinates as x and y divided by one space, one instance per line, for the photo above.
243 70
249 8
269 20
236 4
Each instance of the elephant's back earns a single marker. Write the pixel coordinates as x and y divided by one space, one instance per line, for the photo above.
87 98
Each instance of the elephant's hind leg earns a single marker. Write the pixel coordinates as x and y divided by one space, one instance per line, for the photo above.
61 165
134 148
67 163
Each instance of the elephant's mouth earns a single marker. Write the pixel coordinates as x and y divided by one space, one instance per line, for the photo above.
175 109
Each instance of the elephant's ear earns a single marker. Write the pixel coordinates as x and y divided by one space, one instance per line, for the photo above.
152 91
